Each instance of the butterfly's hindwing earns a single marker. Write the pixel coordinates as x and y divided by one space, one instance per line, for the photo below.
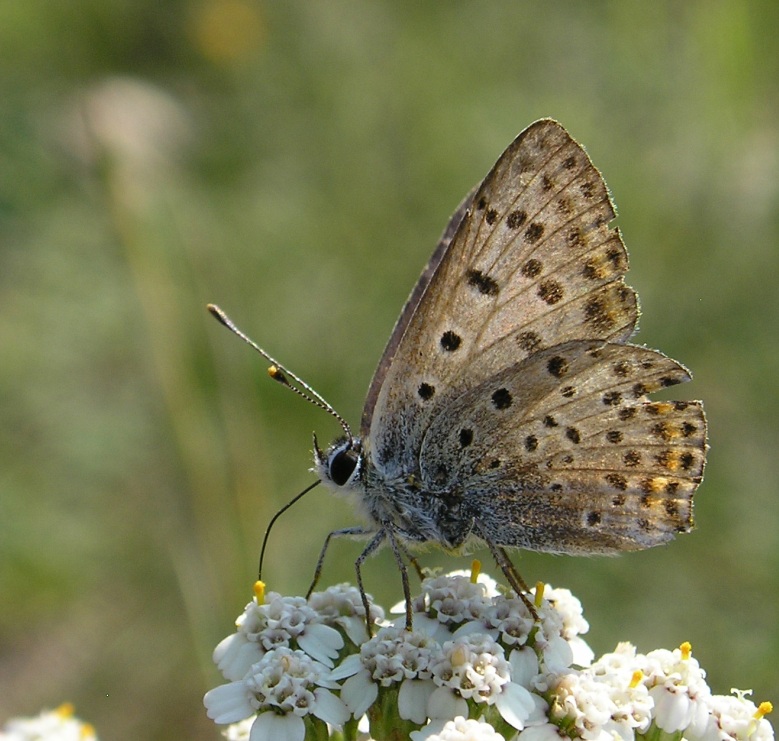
570 448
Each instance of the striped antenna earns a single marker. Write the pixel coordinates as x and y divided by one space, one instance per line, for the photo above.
281 374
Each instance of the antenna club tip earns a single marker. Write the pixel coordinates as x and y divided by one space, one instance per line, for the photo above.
218 314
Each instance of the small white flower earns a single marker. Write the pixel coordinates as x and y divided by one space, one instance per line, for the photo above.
512 620
393 656
549 639
677 685
458 729
341 606
454 599
620 672
277 622
289 684
474 666
733 717
51 725
570 610
583 703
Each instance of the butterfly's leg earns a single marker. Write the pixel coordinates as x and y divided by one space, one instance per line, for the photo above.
398 550
346 532
375 542
516 582
412 561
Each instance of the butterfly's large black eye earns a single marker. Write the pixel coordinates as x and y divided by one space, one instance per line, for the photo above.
342 465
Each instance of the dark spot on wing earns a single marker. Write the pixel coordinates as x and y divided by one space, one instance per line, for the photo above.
550 291
529 341
534 232
501 399
632 458
593 518
557 366
531 268
617 480
482 282
466 437
516 219
450 341
597 314
426 391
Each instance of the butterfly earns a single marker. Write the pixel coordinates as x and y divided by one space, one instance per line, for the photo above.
508 409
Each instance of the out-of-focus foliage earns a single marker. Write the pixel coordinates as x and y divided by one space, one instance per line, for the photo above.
295 162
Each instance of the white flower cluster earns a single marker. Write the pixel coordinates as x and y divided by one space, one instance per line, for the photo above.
51 725
477 666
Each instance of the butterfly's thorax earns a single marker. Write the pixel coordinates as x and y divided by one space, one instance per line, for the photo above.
417 511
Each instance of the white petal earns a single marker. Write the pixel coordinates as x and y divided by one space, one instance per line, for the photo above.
515 704
673 709
412 699
321 642
524 666
424 624
475 626
582 653
349 666
272 727
234 656
544 732
558 654
540 712
435 726
355 629
329 708
444 703
359 693
228 703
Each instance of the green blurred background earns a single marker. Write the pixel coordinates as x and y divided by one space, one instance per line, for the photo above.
295 162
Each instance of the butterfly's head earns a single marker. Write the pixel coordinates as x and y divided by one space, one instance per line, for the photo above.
340 464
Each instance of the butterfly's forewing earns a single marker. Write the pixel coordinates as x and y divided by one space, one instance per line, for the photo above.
409 308
532 264
563 452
